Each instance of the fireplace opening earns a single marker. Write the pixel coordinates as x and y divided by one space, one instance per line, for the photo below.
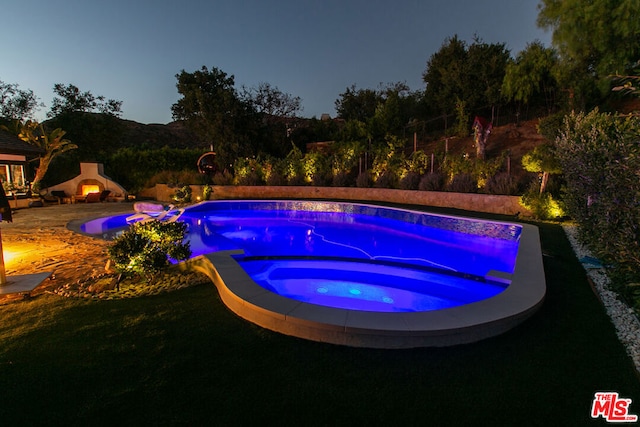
87 189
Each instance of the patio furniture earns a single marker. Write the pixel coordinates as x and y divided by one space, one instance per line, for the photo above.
94 197
59 196
104 194
146 211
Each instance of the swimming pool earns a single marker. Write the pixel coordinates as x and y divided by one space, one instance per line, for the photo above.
319 269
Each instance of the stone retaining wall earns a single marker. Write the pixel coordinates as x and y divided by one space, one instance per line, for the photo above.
488 203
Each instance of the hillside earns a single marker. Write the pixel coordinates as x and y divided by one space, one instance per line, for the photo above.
174 134
517 139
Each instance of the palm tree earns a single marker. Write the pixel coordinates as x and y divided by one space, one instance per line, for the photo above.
52 143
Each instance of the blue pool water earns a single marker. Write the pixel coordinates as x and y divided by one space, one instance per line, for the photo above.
354 256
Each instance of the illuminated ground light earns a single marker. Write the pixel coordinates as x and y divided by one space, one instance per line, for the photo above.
10 255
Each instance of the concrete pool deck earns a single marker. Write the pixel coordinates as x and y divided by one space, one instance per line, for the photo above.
438 328
38 241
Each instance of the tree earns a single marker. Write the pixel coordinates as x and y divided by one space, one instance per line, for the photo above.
70 100
269 100
212 108
388 118
357 104
92 122
594 39
486 66
481 131
277 111
15 104
542 159
472 74
445 75
376 113
52 143
531 76
628 84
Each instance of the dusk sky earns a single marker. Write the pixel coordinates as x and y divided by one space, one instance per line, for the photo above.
132 50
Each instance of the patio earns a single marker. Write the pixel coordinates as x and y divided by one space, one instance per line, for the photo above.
37 240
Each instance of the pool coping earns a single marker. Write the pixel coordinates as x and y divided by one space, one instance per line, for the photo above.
437 328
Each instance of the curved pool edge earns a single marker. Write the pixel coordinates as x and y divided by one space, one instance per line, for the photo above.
458 325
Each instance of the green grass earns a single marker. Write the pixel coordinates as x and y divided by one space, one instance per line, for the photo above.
184 359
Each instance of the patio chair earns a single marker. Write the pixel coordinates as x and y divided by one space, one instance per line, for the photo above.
97 197
147 211
92 198
57 196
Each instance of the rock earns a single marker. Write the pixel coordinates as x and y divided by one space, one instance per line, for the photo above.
623 317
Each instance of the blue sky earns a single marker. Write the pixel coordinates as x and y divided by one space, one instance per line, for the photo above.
132 50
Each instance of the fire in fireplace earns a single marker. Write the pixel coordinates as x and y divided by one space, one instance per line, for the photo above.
87 189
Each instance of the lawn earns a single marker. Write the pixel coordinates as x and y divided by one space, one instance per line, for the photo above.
183 359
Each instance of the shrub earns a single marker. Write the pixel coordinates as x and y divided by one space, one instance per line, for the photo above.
146 247
341 179
293 167
250 178
387 158
600 158
502 183
386 180
345 157
223 178
550 126
461 127
315 166
248 171
463 183
432 182
321 178
124 166
418 162
363 180
541 205
183 194
273 170
207 191
276 178
296 180
175 178
411 181
480 170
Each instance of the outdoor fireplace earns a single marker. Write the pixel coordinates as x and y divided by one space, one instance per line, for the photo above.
91 180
